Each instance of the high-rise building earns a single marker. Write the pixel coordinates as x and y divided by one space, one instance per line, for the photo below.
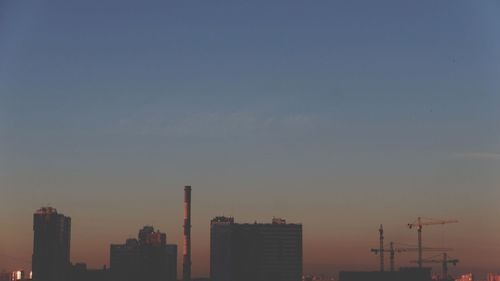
255 252
51 245
146 258
186 249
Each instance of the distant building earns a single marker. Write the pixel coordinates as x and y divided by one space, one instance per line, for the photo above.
146 258
404 274
255 252
320 277
51 245
492 277
80 272
172 261
18 275
466 277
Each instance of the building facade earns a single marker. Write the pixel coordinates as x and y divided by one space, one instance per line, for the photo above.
255 252
147 258
51 245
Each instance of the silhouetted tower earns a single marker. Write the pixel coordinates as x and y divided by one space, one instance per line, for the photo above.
51 245
186 268
381 247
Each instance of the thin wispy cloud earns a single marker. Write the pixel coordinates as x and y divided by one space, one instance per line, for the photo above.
208 124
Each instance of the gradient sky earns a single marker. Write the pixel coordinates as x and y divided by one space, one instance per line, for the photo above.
338 114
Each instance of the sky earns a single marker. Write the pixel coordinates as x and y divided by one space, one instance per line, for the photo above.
340 115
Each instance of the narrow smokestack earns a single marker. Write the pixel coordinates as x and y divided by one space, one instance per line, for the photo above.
186 268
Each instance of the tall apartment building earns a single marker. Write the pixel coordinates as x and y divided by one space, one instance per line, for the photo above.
255 251
51 245
147 258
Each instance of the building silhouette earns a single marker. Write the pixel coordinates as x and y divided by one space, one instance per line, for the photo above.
80 272
466 277
255 252
404 274
51 245
147 258
171 262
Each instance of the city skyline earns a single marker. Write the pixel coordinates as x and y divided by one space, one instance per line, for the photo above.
402 261
338 115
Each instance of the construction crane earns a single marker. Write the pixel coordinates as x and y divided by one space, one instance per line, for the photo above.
419 223
444 263
392 252
381 251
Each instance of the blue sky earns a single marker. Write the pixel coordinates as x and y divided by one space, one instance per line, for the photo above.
304 110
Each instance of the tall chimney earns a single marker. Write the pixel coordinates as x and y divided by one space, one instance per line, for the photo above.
186 268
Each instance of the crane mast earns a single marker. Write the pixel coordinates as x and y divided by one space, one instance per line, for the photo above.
381 248
392 254
419 223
